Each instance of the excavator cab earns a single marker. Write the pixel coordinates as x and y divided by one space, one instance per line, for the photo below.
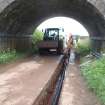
51 34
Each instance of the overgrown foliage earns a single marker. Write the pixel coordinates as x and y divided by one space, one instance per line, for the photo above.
9 55
37 37
83 47
94 73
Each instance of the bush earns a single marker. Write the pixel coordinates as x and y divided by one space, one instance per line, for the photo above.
95 75
10 55
7 55
37 36
83 47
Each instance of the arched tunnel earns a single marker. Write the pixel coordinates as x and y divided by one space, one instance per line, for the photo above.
19 18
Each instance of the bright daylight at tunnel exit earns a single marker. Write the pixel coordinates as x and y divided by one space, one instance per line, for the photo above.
52 52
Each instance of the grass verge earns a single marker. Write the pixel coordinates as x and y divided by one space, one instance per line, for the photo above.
83 47
94 74
10 55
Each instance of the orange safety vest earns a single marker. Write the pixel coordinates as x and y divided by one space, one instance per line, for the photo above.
70 42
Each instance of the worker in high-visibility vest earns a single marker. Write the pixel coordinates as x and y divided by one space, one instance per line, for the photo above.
70 42
69 45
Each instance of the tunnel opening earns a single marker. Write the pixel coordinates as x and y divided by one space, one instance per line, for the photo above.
69 26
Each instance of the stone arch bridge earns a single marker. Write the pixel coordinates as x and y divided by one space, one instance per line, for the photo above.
19 18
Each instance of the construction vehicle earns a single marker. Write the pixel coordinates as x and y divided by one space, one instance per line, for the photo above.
52 41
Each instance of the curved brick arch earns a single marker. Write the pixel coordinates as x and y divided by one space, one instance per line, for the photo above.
16 12
22 16
99 4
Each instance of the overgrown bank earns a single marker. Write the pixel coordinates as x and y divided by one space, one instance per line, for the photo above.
37 37
94 74
83 47
7 56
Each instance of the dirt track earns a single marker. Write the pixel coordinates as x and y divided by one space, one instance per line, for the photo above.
21 82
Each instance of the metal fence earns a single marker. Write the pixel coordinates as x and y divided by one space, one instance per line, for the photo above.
15 41
103 46
97 44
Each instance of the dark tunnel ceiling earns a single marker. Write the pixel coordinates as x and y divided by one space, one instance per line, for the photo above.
23 16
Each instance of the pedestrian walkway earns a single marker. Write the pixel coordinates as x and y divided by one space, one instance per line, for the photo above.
75 91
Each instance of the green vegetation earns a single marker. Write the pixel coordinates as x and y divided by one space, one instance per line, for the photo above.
103 49
83 47
37 37
10 55
94 73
